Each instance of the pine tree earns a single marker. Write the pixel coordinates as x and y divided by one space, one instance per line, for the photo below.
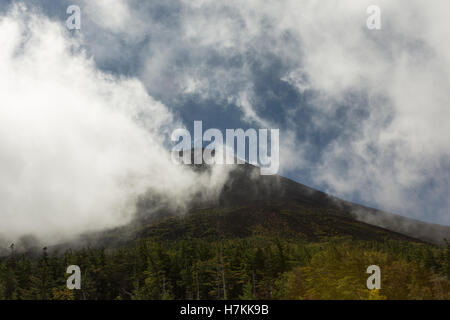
447 260
247 293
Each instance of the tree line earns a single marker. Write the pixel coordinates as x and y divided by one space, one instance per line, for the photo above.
251 268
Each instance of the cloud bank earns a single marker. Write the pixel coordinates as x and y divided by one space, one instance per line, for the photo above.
363 113
78 145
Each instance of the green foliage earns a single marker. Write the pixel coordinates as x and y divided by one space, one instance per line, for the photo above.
338 272
256 267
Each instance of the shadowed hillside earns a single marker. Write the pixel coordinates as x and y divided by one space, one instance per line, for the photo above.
247 187
254 200
252 204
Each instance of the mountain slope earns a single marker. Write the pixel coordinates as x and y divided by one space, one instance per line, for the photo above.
250 203
247 186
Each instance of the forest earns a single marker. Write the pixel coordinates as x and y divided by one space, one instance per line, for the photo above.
256 267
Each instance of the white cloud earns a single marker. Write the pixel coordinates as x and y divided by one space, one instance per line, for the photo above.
404 70
77 145
401 70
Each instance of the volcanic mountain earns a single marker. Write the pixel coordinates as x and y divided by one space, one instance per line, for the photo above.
274 206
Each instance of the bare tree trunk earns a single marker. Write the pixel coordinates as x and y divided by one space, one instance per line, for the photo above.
164 285
254 284
198 286
218 281
223 276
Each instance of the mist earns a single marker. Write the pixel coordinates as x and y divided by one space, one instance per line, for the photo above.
78 146
370 123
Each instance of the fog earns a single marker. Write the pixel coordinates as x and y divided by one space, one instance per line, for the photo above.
78 146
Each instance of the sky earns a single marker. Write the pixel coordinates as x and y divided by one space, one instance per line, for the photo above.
86 115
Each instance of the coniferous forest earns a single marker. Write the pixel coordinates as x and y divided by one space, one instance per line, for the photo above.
216 151
251 268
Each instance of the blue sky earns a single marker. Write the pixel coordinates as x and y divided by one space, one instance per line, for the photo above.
363 114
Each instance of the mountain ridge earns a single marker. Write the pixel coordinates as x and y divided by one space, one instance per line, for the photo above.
246 193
